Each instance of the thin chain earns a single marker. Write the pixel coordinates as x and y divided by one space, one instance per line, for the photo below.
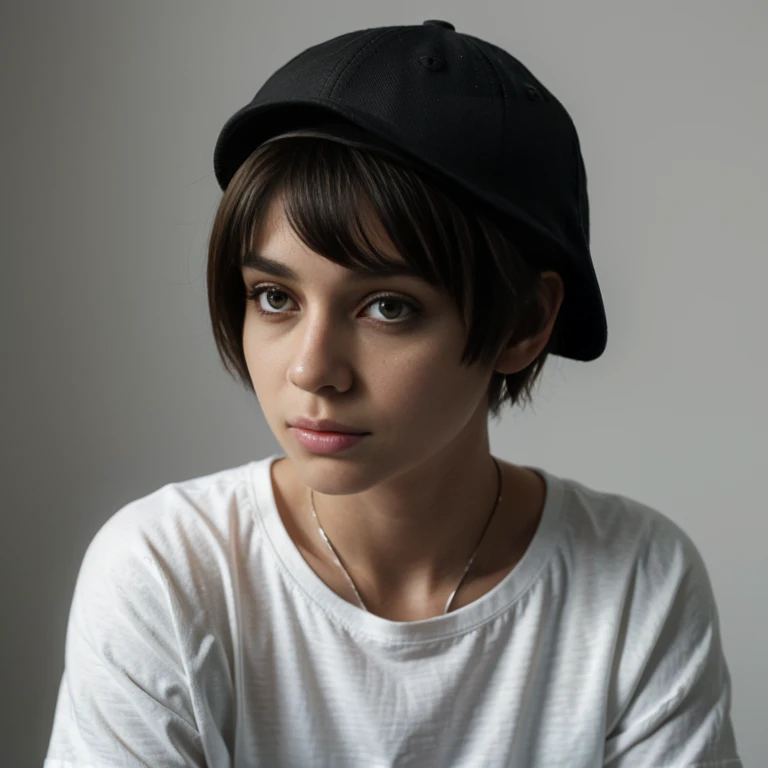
466 568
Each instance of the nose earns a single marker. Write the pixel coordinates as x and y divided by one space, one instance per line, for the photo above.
321 357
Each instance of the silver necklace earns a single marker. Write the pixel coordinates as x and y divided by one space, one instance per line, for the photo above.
466 568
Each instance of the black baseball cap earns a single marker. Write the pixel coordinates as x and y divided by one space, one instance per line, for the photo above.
458 109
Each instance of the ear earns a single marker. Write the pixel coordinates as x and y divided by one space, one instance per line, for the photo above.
515 357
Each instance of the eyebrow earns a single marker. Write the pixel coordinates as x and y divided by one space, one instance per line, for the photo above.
278 269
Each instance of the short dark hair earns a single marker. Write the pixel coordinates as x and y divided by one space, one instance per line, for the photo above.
450 239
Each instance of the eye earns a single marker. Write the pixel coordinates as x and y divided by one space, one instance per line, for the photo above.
385 301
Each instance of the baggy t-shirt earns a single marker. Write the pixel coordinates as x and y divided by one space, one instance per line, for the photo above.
199 636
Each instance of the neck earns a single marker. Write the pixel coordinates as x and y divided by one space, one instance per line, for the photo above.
412 533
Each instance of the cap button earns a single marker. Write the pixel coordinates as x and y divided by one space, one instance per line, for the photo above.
439 23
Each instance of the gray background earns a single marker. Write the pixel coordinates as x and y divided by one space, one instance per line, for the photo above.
111 386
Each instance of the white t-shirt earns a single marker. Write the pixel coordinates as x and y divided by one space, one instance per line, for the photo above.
199 636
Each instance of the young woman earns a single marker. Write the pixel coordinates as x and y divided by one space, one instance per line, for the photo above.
402 241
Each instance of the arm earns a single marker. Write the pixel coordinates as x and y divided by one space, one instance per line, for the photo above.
124 698
677 711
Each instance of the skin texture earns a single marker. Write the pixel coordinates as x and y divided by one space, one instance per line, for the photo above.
406 506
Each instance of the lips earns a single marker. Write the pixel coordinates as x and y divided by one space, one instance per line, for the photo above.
325 442
327 426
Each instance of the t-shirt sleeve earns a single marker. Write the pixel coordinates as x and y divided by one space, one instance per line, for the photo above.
676 687
123 698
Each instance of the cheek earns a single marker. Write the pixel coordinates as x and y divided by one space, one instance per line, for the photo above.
250 357
419 389
262 355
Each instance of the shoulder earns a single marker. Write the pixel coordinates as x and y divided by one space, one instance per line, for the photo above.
627 532
176 516
179 540
631 569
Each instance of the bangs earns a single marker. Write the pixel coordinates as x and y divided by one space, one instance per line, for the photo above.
362 213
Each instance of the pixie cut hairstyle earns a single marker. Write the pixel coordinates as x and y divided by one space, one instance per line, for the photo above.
489 267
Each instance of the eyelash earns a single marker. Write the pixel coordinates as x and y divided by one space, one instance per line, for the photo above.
253 294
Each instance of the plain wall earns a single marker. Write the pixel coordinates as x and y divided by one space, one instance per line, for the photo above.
111 385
